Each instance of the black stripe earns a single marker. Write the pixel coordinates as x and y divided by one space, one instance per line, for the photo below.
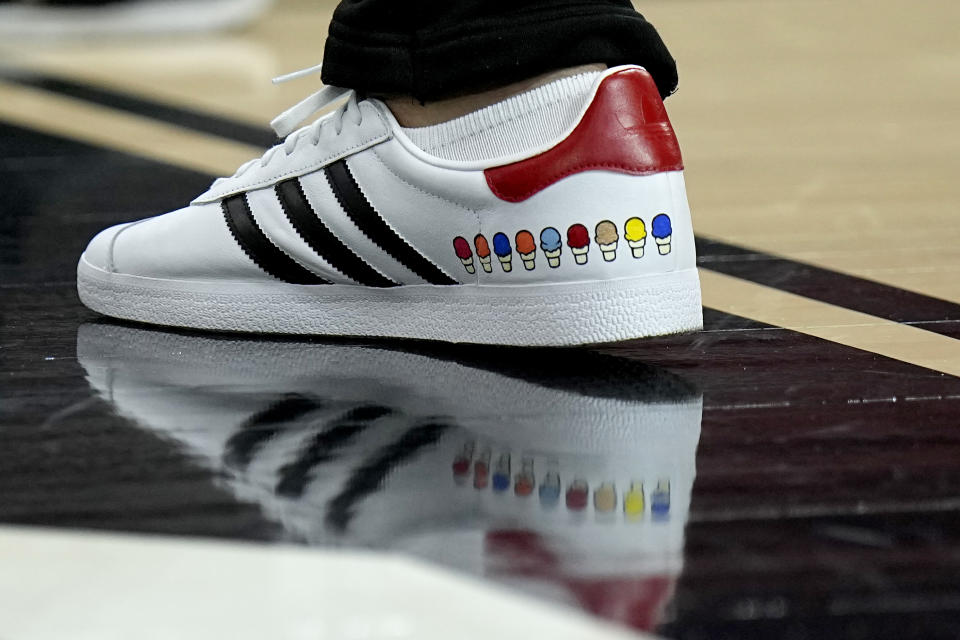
189 119
322 240
257 246
366 218
850 292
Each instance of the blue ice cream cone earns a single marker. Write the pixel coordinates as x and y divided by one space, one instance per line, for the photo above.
501 247
552 245
662 232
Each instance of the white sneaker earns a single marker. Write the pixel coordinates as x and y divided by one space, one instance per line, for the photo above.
349 228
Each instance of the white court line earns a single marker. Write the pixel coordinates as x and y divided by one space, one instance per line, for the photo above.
830 322
93 586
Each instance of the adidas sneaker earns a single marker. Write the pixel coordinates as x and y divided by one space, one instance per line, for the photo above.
557 217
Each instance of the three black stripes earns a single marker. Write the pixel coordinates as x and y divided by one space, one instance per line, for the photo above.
322 239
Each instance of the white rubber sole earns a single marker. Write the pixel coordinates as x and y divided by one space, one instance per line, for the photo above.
521 315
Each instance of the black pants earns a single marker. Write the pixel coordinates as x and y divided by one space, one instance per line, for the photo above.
434 49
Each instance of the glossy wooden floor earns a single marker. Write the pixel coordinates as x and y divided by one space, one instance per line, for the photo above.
823 481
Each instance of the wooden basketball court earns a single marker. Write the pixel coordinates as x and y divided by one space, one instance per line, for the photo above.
812 492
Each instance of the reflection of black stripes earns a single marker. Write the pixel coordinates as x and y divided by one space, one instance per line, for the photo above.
295 477
322 240
369 476
263 426
359 210
258 247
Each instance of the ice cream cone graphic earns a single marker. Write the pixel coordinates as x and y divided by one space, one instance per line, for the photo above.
662 231
501 247
635 233
483 252
462 247
552 244
578 238
527 249
607 237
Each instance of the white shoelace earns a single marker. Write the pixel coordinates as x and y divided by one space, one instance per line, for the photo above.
285 125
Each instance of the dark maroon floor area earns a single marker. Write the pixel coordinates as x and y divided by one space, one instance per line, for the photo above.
827 479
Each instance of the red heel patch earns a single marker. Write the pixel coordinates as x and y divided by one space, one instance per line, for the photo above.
625 129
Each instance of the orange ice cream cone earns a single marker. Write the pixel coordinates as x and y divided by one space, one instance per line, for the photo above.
527 248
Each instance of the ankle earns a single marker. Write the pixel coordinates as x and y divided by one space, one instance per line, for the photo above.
503 122
411 113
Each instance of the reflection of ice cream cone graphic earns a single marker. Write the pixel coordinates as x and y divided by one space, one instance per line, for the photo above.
462 247
501 247
660 500
605 498
481 471
527 249
550 489
501 473
483 252
525 479
461 464
635 233
607 237
633 501
551 243
577 494
662 231
579 240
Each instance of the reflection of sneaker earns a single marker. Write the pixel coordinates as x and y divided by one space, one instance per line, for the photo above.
519 465
349 228
81 18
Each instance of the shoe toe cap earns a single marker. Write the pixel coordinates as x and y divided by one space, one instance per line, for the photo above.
192 243
99 253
